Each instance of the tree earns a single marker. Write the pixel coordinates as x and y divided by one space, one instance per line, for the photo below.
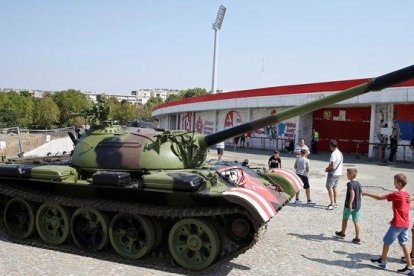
123 111
149 107
174 97
45 113
70 102
15 110
25 93
114 106
188 93
126 112
194 92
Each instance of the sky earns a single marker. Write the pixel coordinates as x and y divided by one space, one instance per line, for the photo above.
120 46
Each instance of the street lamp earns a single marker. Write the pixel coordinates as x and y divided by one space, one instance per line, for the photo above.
216 27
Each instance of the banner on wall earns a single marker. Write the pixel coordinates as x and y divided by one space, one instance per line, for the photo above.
186 121
204 122
231 118
282 130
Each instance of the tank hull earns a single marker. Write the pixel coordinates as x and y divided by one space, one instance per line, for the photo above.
236 214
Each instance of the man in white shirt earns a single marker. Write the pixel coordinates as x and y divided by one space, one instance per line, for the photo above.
300 147
334 171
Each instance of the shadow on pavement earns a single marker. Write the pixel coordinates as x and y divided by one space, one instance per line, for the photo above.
365 256
318 237
163 265
225 269
304 205
355 261
353 264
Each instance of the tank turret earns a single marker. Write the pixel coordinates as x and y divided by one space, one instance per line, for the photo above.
108 147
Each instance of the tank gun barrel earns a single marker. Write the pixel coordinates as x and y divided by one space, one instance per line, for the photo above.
374 84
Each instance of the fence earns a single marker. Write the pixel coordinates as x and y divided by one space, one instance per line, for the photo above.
404 152
265 143
15 141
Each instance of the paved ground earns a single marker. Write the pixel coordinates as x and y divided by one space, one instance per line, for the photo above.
299 240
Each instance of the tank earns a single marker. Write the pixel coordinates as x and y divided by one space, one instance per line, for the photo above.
152 192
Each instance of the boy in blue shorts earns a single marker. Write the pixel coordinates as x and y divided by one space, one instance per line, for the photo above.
399 223
352 205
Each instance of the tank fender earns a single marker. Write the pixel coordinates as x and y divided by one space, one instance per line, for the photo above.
291 184
261 209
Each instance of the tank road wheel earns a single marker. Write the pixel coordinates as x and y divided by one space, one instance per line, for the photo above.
131 236
194 243
52 222
89 229
19 218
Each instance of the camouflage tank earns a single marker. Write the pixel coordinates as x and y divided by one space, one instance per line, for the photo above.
152 191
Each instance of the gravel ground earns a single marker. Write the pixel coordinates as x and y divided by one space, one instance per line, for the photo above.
300 240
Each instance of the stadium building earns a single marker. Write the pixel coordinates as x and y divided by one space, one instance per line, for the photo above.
360 124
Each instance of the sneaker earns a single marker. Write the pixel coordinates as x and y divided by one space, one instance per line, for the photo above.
379 263
335 205
356 241
406 270
297 201
340 234
310 202
330 207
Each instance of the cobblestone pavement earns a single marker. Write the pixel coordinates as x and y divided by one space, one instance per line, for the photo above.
300 240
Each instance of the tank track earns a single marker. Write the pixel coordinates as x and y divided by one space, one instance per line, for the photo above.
131 208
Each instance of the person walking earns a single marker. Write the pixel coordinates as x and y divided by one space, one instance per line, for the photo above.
398 225
315 140
352 205
334 171
299 147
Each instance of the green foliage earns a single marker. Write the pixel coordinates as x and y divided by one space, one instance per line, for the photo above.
123 111
188 93
70 102
149 107
15 110
45 113
194 92
126 112
113 103
25 93
20 109
174 97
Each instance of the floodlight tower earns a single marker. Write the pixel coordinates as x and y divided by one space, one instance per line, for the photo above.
216 27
